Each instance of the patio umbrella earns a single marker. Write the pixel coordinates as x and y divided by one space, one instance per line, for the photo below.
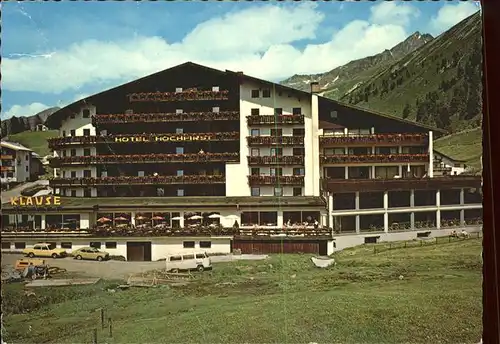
196 217
158 218
140 217
103 219
121 218
233 217
215 216
177 218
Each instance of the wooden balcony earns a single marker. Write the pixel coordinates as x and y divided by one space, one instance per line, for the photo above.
145 159
144 138
101 119
6 168
276 160
375 139
275 180
275 140
136 180
400 184
275 119
7 157
187 95
373 158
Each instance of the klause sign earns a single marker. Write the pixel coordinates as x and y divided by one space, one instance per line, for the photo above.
41 201
164 138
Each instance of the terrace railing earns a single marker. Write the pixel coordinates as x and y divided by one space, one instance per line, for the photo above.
6 157
187 95
101 119
373 158
368 139
276 160
275 140
276 180
135 180
275 119
144 159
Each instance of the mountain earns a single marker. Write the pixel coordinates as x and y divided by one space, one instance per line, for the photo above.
15 125
439 84
340 80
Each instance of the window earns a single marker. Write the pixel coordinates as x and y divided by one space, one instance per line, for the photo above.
278 192
298 151
333 115
298 171
67 245
73 115
255 191
179 130
202 255
216 109
215 89
299 132
87 193
87 173
86 132
86 151
73 174
178 89
19 245
255 171
188 244
276 151
255 93
255 112
276 171
10 174
178 111
297 191
73 152
95 244
73 193
5 245
64 174
27 168
297 111
180 192
255 151
64 133
255 132
266 93
386 150
180 172
334 151
278 111
86 113
63 152
26 157
110 244
188 256
276 132
72 132
205 244
179 150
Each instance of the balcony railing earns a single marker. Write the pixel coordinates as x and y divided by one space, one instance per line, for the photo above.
276 180
353 185
145 138
275 140
276 119
6 157
276 160
373 158
6 168
187 95
374 139
144 159
165 117
136 180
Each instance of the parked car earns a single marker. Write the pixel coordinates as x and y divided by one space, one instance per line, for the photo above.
90 253
45 250
188 261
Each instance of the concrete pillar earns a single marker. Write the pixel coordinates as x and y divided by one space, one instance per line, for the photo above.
438 211
412 220
386 200
324 220
356 200
132 218
181 221
280 219
330 211
431 156
374 150
438 198
357 224
462 196
412 198
346 131
372 130
462 218
400 149
386 222
373 171
346 172
400 171
43 225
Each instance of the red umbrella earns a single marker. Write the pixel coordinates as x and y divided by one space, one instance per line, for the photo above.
103 219
158 218
121 218
140 217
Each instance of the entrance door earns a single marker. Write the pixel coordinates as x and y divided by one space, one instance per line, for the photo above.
323 248
139 251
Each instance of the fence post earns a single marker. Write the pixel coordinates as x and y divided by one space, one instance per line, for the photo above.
374 249
421 243
405 244
110 327
94 336
102 318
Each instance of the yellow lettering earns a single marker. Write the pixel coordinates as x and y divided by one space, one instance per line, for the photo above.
13 201
29 201
21 201
48 200
39 200
57 200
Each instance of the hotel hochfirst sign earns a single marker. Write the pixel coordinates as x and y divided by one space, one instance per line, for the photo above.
165 138
40 201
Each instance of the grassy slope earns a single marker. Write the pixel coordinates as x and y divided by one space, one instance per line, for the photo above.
465 145
283 300
35 140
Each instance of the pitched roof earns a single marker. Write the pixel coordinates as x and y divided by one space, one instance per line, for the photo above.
14 146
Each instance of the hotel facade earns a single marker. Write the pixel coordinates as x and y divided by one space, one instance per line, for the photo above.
193 157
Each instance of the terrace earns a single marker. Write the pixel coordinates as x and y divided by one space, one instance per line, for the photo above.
187 95
275 119
135 180
275 140
165 117
374 139
276 160
275 180
373 158
6 157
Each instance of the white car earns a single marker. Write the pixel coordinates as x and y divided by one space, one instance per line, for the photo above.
188 261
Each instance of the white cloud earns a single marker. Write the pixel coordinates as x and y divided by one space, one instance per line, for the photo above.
24 110
394 13
450 14
257 41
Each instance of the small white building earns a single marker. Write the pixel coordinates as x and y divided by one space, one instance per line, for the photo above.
445 165
16 163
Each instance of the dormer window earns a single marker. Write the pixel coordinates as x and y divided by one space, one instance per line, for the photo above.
178 89
215 89
333 115
86 113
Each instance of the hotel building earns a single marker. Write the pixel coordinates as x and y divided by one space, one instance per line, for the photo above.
218 160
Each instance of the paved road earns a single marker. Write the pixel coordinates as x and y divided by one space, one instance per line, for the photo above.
15 192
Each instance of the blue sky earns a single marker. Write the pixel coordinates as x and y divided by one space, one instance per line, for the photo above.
56 52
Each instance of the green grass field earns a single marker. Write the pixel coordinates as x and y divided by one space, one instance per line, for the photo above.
466 145
280 300
35 140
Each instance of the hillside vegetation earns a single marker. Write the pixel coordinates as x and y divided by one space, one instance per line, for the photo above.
35 140
465 145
